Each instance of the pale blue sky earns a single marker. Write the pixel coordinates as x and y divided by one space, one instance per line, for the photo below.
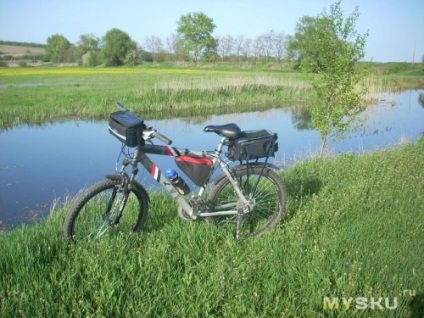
396 27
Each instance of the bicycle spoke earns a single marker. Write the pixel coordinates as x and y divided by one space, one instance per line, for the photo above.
266 197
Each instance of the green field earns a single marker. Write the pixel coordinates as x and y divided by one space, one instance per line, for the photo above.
353 229
45 94
40 94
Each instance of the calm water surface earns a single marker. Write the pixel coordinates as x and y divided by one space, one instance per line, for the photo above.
39 164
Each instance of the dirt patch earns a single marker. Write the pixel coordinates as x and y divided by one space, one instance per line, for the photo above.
13 55
20 50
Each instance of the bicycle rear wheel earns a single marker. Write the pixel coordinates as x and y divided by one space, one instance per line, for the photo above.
267 197
96 212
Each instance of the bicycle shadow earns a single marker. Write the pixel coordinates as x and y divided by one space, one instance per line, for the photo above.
416 306
162 213
300 191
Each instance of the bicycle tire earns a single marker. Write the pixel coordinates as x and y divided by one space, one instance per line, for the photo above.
269 197
87 220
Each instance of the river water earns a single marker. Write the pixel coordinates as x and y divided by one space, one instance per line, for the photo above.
42 164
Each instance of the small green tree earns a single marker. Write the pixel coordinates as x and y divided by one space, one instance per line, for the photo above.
329 54
134 57
71 54
57 46
92 59
116 45
195 33
89 45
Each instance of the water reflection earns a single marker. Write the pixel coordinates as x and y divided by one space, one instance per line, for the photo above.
421 100
39 163
301 117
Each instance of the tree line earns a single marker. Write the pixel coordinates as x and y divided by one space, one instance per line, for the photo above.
14 43
193 41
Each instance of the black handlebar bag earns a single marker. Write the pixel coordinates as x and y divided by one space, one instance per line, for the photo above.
127 127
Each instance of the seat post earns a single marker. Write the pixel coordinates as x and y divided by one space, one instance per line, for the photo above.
221 144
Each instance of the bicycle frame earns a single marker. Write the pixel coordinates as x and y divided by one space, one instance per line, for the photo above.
141 157
250 194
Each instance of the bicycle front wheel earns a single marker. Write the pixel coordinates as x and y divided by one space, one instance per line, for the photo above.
267 197
103 209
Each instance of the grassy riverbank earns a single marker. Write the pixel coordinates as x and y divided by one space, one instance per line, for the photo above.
353 228
36 95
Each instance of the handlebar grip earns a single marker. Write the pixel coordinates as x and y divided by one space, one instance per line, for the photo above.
163 138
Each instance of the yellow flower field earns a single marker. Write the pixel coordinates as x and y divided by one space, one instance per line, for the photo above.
19 71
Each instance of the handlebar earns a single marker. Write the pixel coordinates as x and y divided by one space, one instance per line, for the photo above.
150 133
161 137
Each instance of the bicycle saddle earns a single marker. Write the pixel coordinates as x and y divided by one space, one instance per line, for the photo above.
231 131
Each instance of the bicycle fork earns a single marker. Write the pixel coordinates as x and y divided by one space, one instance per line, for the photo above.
123 188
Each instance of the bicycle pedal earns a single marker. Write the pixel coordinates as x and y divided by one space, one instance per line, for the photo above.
184 215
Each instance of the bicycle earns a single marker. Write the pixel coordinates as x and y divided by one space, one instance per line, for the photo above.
250 196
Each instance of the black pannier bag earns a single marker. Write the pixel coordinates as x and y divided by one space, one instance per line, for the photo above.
198 169
253 144
127 127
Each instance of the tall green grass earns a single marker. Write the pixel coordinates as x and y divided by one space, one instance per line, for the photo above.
39 95
353 228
